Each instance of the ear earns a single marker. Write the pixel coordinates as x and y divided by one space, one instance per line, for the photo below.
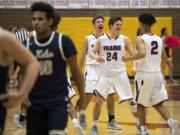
50 21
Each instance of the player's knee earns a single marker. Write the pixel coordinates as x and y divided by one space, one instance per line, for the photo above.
158 105
57 132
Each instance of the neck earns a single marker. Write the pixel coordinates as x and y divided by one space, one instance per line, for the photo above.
44 35
114 34
98 33
146 30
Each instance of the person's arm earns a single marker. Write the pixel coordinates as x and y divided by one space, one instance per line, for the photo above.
141 53
83 52
93 52
78 78
71 58
128 46
20 54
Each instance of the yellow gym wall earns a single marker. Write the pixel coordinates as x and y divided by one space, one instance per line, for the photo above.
78 28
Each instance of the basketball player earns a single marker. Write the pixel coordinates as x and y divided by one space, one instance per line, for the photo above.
113 73
10 49
48 114
72 93
92 74
149 79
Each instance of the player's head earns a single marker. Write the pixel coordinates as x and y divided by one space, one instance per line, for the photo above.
115 23
146 20
98 22
57 20
164 31
42 16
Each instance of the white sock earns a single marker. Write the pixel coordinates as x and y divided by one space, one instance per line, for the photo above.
95 123
75 122
169 121
137 121
143 128
81 112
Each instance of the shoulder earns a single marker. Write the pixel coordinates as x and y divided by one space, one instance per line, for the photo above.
124 37
66 38
103 37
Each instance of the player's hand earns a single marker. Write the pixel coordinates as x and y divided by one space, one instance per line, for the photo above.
13 83
12 98
126 58
100 59
15 75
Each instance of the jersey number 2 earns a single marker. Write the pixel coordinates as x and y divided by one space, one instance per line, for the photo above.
154 47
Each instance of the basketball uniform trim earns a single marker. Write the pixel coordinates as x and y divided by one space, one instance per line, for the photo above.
60 47
46 43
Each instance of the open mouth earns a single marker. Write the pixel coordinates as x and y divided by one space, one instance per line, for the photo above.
100 27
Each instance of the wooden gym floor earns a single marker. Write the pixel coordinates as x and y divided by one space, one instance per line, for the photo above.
156 125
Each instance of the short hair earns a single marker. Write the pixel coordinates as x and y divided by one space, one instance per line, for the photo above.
97 17
163 31
114 19
147 18
44 7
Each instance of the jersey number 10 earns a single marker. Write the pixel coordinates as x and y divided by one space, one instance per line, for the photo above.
46 67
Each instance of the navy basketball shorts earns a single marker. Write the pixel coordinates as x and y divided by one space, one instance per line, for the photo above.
43 119
2 118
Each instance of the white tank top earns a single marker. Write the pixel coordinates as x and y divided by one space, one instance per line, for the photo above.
112 50
152 60
91 39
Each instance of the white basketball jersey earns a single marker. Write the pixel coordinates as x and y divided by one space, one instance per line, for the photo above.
112 50
91 42
152 60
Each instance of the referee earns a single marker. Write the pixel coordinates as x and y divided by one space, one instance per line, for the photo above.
22 34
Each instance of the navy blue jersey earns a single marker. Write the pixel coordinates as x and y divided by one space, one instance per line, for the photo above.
3 78
51 84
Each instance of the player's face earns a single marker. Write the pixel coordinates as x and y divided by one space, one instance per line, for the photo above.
40 22
117 26
99 24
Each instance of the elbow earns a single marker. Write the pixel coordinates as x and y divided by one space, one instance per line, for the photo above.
36 65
